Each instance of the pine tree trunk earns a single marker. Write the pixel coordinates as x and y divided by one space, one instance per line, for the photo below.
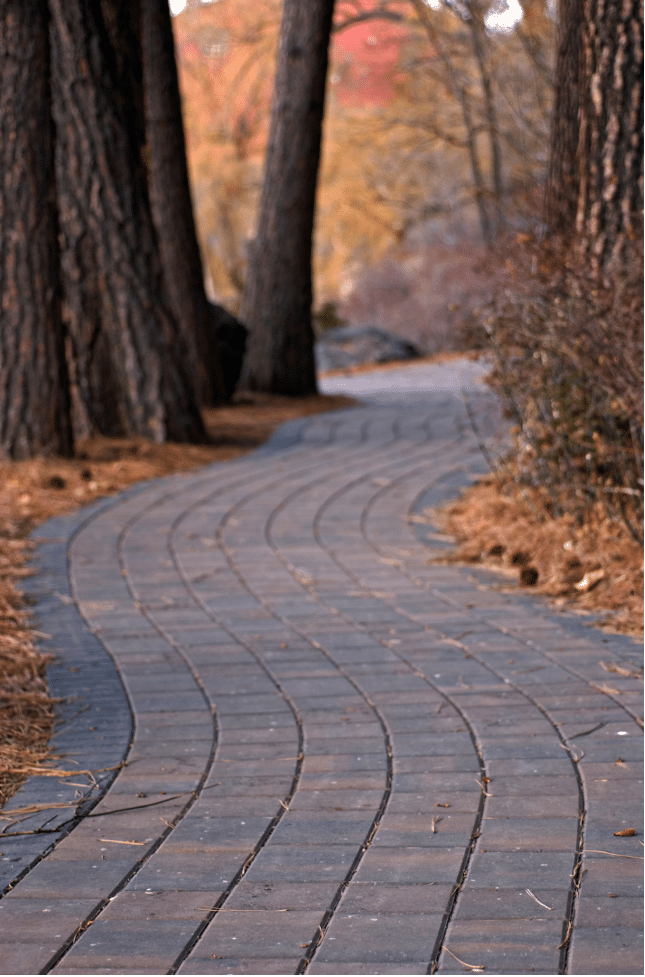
170 198
595 186
610 197
34 388
278 295
127 360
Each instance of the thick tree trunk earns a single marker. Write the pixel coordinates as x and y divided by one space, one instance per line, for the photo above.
278 294
610 196
170 198
129 366
34 388
595 185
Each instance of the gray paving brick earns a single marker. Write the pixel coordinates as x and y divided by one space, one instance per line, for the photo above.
606 950
366 967
606 911
410 865
529 869
176 904
438 828
395 938
55 879
511 903
503 946
27 958
33 920
458 763
301 863
373 898
125 943
189 872
605 875
215 964
71 971
280 895
259 933
533 806
207 835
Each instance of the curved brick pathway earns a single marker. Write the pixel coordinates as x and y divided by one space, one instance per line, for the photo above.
332 757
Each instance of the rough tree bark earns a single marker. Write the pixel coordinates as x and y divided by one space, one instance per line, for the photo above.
610 197
127 357
171 202
595 186
34 389
278 295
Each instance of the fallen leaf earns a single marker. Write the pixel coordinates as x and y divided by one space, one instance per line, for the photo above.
590 580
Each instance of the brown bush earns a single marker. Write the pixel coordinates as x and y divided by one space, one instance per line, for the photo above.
568 355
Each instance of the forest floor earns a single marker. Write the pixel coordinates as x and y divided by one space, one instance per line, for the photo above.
599 571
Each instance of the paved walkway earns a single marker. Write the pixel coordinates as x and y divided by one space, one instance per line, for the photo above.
311 751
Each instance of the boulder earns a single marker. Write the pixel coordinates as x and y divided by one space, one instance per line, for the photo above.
230 335
348 346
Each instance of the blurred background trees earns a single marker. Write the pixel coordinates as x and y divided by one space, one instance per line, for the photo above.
436 133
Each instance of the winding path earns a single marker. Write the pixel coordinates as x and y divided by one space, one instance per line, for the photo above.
312 751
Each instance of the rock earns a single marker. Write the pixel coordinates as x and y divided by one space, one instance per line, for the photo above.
349 346
231 338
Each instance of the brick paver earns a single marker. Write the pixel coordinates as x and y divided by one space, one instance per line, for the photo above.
311 750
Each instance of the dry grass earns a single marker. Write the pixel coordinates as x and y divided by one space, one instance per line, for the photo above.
33 491
597 567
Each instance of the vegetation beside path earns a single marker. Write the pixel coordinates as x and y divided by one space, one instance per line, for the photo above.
563 512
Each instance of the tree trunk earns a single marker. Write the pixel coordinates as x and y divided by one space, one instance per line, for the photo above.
170 198
127 359
610 196
34 387
278 294
478 35
595 187
562 185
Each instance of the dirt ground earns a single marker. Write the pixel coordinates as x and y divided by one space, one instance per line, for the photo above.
596 570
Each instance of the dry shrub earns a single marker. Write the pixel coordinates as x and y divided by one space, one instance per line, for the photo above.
568 354
567 500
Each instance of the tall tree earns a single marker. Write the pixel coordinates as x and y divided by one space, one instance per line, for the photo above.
278 295
34 405
129 362
562 180
595 187
172 208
